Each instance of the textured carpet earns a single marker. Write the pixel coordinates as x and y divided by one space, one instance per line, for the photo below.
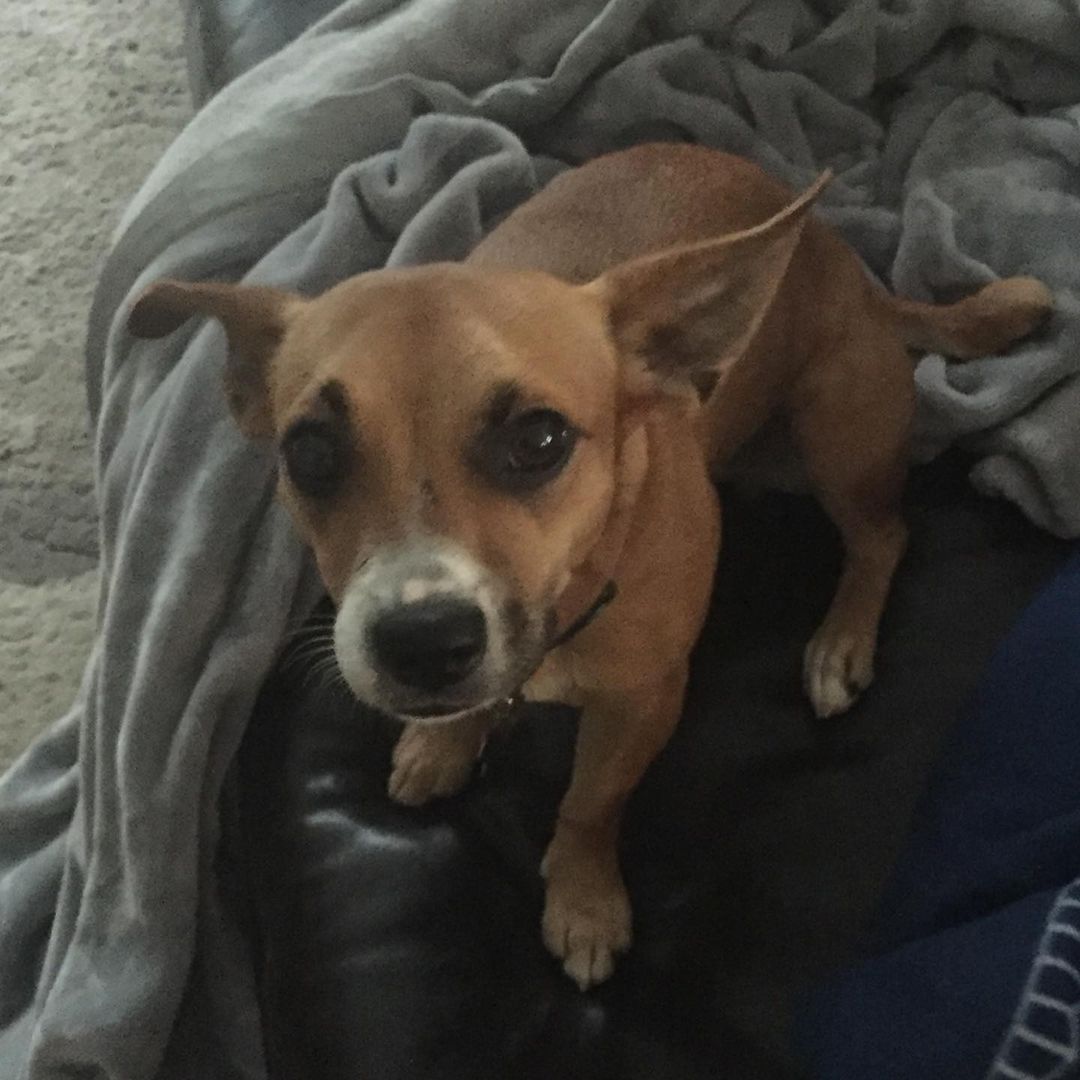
91 93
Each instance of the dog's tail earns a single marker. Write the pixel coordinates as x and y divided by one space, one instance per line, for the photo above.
980 325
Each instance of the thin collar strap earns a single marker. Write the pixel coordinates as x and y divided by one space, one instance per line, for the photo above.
607 594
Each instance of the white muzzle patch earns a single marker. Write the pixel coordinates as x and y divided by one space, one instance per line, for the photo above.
411 573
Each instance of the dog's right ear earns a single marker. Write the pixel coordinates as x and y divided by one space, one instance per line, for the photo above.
254 317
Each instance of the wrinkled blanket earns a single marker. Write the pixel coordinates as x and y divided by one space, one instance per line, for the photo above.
397 132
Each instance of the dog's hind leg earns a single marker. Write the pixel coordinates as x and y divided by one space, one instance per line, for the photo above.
852 428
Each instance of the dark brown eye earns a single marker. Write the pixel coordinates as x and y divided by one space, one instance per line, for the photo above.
314 458
527 451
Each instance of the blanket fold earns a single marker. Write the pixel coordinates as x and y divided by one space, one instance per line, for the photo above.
396 132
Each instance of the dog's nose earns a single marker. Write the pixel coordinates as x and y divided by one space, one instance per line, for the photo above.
429 645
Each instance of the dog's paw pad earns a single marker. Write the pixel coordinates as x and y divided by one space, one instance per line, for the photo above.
430 764
587 930
836 670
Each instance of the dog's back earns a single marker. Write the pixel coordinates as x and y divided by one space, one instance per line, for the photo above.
631 203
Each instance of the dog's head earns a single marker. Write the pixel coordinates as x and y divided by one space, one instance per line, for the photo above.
453 439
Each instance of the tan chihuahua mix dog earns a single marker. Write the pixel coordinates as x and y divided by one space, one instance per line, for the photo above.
476 451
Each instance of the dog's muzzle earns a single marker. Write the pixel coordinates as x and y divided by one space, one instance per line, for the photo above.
424 631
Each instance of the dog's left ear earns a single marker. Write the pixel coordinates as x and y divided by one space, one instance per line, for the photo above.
684 312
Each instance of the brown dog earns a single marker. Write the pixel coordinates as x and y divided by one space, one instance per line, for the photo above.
474 452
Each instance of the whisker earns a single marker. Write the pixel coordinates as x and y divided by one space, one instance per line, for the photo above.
311 655
314 645
310 648
315 625
326 674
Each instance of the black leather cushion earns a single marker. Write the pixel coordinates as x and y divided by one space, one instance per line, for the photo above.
406 945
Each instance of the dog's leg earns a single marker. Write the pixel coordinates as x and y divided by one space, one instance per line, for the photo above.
854 440
433 760
839 661
587 917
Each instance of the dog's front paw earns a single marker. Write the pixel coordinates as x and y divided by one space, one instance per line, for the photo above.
433 761
587 921
837 668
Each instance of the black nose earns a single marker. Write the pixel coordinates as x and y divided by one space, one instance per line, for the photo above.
429 645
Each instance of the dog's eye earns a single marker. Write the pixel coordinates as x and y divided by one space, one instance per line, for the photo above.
313 458
528 450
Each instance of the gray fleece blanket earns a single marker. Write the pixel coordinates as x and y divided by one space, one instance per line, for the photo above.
396 132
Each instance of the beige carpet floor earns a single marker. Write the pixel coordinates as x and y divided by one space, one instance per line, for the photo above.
91 92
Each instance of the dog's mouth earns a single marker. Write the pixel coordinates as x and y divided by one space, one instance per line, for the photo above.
493 695
446 714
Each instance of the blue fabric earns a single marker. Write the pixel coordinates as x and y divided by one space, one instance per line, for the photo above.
976 966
